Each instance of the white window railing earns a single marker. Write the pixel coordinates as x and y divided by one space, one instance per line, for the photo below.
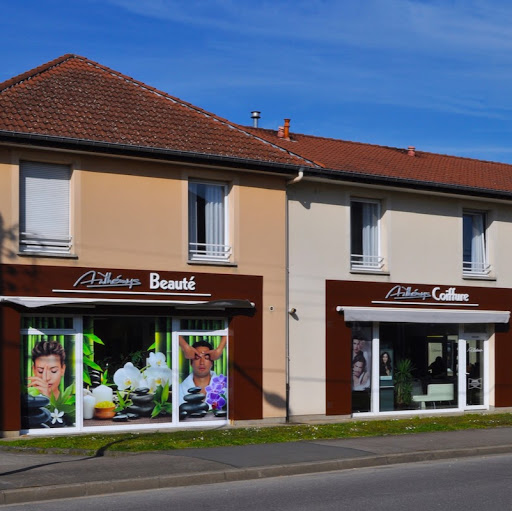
477 269
209 252
366 262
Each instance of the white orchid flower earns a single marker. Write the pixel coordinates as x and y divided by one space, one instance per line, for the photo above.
57 416
128 377
160 375
157 360
149 383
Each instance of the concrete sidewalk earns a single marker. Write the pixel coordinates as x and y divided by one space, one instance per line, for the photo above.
31 477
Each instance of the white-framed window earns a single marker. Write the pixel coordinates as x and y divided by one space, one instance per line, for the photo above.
45 208
70 364
365 235
474 244
208 238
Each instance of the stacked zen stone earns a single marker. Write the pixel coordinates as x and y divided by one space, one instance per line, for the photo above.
95 376
36 415
194 406
142 405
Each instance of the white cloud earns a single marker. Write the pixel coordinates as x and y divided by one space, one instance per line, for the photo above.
406 25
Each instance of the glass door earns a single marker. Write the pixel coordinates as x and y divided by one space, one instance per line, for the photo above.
475 372
475 379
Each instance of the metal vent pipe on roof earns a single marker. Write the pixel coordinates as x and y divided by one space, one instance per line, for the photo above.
255 116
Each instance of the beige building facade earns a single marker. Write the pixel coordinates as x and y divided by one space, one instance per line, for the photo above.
131 254
420 245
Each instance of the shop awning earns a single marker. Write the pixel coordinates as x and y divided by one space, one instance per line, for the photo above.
402 315
33 302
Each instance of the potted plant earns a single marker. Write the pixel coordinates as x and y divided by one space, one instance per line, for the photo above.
403 383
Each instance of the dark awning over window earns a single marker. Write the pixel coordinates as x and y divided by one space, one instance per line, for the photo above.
33 302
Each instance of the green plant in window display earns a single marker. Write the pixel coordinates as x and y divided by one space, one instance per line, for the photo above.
88 356
403 382
63 407
161 400
123 401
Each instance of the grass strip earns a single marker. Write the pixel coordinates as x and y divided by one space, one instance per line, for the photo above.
155 441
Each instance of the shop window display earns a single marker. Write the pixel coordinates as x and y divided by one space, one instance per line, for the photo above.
48 373
203 377
361 367
127 372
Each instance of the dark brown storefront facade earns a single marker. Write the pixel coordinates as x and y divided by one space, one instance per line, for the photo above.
379 332
124 334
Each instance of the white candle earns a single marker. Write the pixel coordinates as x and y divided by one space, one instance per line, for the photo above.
89 402
102 393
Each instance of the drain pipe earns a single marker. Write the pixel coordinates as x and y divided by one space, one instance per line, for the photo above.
297 179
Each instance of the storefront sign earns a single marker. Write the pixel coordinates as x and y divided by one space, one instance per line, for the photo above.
96 279
155 282
437 293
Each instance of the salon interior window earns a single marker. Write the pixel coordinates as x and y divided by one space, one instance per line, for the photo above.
418 366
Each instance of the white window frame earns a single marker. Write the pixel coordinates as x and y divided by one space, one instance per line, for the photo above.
77 331
217 248
461 396
45 198
370 259
479 265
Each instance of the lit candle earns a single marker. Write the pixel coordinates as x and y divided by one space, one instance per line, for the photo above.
102 393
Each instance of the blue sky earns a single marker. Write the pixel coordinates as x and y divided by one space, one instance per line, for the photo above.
436 74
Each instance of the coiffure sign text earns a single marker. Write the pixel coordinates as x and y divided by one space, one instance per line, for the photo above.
437 294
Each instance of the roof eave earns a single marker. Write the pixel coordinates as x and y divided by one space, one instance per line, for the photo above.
74 144
415 184
285 169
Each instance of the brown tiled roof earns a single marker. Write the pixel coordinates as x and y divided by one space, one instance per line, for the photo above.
75 98
393 163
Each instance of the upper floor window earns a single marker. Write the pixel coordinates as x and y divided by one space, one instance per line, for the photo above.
207 222
44 208
474 244
364 235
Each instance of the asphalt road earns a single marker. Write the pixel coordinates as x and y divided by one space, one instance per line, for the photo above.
479 483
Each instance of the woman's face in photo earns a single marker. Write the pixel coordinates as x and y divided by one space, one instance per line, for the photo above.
49 369
385 358
356 346
357 369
